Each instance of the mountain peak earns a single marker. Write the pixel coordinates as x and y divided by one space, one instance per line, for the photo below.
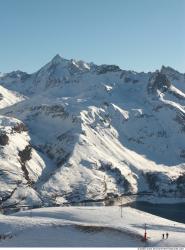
58 59
159 81
167 69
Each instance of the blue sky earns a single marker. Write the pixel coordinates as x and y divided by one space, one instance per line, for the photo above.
140 35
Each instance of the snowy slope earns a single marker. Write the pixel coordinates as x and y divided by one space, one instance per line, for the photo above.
88 226
8 98
99 131
20 165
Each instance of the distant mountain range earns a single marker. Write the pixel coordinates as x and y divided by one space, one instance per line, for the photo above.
75 131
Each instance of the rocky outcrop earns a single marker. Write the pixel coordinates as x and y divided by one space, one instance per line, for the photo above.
158 81
20 127
25 155
3 139
102 69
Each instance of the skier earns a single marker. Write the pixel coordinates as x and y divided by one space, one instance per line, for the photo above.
163 236
167 235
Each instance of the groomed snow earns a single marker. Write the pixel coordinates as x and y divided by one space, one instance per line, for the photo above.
88 226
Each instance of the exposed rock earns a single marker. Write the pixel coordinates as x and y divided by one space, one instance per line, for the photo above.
135 81
116 174
20 127
25 155
127 79
102 69
158 82
3 139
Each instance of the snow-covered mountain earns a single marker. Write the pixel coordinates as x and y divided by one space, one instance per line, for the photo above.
76 131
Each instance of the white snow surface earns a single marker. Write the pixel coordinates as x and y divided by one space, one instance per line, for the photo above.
94 132
8 98
88 227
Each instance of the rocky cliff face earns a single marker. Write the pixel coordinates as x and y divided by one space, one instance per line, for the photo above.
76 131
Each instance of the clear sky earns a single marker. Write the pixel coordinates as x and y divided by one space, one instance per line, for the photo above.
140 35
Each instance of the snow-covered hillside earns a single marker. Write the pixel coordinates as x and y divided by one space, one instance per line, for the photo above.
8 98
93 132
88 227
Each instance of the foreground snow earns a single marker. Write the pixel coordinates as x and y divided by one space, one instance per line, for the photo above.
88 226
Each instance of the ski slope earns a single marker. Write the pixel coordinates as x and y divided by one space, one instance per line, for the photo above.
88 226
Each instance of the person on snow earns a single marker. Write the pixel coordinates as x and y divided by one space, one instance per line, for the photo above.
163 236
167 234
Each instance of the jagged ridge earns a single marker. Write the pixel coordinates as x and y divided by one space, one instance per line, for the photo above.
95 132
